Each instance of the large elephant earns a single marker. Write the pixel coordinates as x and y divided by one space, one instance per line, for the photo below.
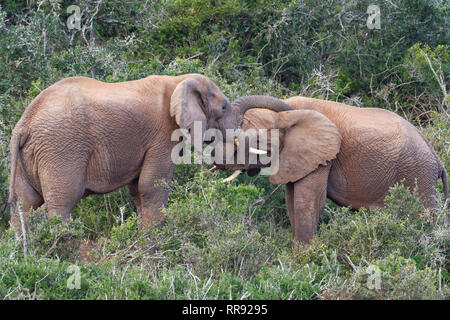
351 155
81 136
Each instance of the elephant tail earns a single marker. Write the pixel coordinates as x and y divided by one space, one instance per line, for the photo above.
18 139
444 178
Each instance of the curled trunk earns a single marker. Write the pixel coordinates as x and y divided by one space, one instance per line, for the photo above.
268 102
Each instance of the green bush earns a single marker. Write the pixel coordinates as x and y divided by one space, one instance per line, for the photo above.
366 235
51 238
399 279
222 241
401 233
210 226
222 250
100 213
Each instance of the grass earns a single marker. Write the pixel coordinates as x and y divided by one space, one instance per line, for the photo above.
228 249
232 241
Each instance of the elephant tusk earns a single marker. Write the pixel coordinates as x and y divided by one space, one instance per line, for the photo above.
236 142
234 175
212 170
256 151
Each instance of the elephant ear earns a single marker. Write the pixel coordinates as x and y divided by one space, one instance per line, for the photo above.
186 105
310 140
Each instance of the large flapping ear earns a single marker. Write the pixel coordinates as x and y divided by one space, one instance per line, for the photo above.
311 139
185 105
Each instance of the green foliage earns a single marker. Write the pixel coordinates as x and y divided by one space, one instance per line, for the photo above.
100 213
210 254
209 226
222 241
438 136
399 279
51 238
399 239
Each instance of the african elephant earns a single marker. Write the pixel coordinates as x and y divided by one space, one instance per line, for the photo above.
81 136
348 154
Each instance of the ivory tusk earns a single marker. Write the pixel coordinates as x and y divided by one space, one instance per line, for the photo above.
234 175
256 151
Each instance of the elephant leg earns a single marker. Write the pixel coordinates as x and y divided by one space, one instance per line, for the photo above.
29 198
429 199
308 201
133 188
427 190
62 189
153 197
290 204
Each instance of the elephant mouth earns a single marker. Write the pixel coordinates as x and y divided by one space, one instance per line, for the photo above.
242 152
248 158
250 172
251 169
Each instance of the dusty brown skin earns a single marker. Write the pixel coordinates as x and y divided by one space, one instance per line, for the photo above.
81 136
348 154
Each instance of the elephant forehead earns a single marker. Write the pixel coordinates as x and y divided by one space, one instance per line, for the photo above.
215 96
259 119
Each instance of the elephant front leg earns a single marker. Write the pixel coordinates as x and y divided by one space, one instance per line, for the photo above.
152 195
305 200
133 189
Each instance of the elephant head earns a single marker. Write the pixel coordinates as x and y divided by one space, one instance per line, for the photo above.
198 99
307 139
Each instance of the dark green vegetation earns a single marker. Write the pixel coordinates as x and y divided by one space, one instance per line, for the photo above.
233 241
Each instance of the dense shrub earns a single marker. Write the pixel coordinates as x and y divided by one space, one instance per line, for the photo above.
232 241
50 238
209 226
204 253
409 246
399 278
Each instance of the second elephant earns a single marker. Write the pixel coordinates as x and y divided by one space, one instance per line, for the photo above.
348 154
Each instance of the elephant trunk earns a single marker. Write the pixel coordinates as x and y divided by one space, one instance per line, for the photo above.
268 102
240 106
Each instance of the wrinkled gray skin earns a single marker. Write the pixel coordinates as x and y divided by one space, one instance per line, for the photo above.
81 136
348 154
